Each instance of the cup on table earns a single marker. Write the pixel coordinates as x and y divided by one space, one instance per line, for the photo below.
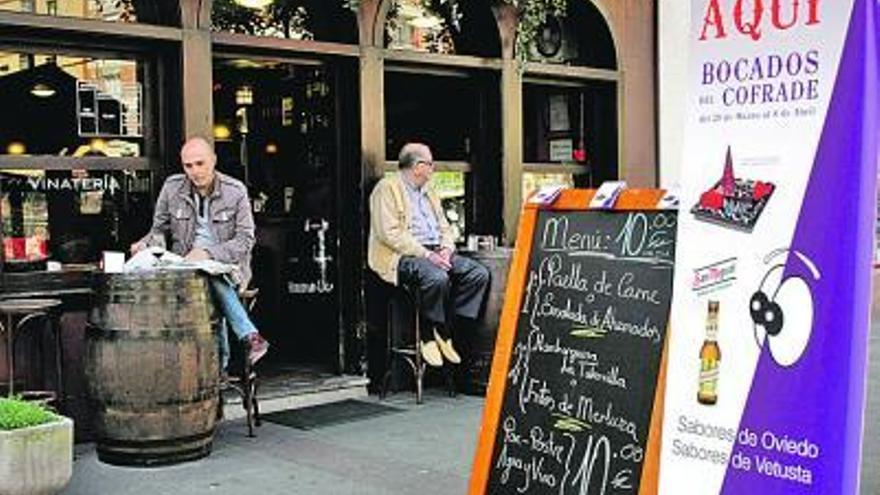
472 242
113 261
486 243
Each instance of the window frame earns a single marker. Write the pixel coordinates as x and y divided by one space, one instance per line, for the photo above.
260 40
559 76
169 16
144 43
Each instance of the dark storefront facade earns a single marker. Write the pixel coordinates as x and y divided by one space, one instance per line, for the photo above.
308 103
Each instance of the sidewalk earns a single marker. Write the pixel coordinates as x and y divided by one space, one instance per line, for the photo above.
425 449
870 478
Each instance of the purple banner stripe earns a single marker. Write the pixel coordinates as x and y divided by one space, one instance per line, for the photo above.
820 400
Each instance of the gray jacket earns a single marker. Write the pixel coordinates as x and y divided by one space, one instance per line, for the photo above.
232 222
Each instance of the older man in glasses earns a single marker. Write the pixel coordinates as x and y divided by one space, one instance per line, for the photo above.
411 243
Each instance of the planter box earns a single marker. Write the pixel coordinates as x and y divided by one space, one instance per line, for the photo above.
37 460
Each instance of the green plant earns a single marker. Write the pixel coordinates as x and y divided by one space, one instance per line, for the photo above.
16 413
532 16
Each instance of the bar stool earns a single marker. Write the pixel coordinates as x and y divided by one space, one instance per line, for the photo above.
17 313
397 347
246 381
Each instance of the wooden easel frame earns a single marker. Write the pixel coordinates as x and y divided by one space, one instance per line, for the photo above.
569 200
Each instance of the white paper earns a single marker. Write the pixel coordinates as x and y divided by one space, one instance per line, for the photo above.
606 195
156 258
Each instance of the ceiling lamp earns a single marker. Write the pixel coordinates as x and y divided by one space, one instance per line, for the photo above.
254 4
98 145
41 90
16 148
222 133
244 95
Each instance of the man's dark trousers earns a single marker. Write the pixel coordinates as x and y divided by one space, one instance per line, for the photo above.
461 289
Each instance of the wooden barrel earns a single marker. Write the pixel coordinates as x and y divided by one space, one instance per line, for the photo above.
152 368
479 342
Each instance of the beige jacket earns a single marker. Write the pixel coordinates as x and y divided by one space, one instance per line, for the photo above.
390 222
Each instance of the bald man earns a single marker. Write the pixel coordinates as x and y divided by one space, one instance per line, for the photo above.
411 243
207 215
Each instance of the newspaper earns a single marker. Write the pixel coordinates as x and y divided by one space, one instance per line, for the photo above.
157 258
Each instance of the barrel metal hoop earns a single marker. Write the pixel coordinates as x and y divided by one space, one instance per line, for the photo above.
155 453
148 333
137 298
150 460
109 442
203 395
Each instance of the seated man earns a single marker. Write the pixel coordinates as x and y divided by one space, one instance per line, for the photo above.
208 216
410 243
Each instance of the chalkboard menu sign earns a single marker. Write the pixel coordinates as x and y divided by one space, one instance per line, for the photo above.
575 375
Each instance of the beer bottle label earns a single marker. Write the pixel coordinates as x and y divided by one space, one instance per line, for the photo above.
708 377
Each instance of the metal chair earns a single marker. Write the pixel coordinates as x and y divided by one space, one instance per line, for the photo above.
246 381
397 347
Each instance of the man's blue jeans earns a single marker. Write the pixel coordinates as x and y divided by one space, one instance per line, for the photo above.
236 316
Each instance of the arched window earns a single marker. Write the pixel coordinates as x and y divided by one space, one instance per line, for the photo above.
321 20
580 38
570 123
450 27
146 11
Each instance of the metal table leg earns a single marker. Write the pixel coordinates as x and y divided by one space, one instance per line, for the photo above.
55 323
10 354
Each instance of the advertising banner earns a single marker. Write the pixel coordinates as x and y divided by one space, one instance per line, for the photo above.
766 380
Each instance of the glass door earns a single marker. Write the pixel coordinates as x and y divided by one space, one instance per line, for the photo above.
275 129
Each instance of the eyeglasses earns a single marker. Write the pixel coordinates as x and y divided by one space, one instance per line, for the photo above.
428 163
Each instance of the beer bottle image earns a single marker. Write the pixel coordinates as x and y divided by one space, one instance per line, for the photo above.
710 357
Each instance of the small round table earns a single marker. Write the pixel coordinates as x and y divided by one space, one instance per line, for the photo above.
16 313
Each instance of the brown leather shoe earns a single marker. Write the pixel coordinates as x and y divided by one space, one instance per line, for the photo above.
258 347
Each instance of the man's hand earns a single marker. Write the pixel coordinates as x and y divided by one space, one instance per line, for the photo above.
446 254
135 247
197 254
438 259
